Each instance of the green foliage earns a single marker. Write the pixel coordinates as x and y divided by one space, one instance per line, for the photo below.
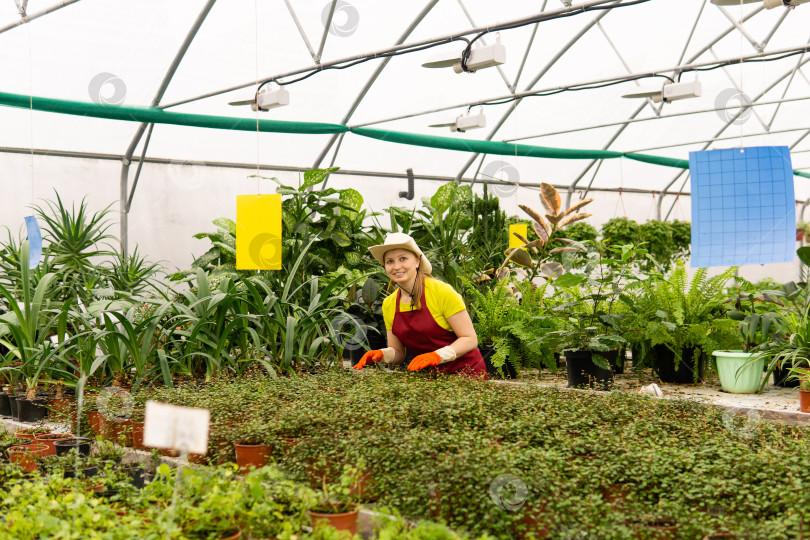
672 311
590 311
452 448
620 231
581 232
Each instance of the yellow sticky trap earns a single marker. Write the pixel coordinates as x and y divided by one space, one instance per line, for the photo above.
258 232
522 229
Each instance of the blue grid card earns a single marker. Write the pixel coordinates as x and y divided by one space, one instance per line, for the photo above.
743 206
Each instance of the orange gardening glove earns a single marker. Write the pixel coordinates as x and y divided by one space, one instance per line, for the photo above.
439 356
371 357
425 360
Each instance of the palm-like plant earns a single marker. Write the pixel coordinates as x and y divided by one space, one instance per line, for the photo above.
25 329
75 239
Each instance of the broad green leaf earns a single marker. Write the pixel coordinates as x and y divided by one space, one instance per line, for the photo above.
804 254
443 197
566 281
351 197
316 176
519 256
227 224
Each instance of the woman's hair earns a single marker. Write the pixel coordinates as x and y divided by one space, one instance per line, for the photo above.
418 287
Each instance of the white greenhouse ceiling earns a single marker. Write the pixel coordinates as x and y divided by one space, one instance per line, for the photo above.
188 56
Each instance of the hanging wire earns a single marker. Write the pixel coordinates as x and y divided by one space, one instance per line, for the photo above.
741 77
258 146
31 107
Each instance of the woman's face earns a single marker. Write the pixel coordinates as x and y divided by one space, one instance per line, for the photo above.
400 265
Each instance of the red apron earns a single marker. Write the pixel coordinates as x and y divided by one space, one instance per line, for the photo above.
420 333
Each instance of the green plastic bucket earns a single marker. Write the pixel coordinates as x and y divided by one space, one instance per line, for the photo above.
735 379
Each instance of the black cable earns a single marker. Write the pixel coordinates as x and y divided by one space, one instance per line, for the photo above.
574 89
467 50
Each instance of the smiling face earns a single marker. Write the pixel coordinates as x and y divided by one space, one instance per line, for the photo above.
400 265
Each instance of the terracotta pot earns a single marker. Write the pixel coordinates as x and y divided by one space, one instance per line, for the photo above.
250 456
804 401
26 455
364 489
49 438
346 521
534 521
28 434
137 434
61 407
119 432
198 459
96 421
234 536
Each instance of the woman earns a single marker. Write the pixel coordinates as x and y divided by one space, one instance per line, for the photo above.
425 316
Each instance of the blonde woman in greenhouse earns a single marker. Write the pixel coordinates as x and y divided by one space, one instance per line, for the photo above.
425 316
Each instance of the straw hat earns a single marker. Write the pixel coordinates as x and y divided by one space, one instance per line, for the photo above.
400 240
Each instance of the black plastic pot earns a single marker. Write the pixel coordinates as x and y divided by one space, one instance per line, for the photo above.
86 473
106 494
664 365
374 342
63 446
583 373
12 404
780 377
5 406
137 474
507 370
31 410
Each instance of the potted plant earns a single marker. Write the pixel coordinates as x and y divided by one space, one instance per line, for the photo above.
677 322
493 310
338 503
590 313
252 449
740 371
803 374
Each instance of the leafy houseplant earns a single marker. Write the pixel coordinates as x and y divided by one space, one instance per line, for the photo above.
741 371
591 318
672 314
547 231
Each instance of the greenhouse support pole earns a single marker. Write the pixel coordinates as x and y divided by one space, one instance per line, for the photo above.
126 160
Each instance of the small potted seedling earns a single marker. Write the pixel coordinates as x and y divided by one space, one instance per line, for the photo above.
338 502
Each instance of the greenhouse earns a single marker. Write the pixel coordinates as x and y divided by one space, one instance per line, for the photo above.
448 269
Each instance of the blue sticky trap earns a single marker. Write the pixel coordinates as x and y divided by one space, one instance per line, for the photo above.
743 206
34 241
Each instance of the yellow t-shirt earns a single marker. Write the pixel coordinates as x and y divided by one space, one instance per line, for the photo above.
441 299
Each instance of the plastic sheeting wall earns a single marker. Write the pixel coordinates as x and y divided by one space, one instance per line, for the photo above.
175 201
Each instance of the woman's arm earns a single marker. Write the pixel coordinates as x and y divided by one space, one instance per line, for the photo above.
463 328
398 347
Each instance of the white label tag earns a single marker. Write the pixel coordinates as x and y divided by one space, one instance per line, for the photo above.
176 428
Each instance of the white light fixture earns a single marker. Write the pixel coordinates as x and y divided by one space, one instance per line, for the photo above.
480 58
669 92
464 123
266 100
769 4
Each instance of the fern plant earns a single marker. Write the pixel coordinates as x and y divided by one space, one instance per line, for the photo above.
680 313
